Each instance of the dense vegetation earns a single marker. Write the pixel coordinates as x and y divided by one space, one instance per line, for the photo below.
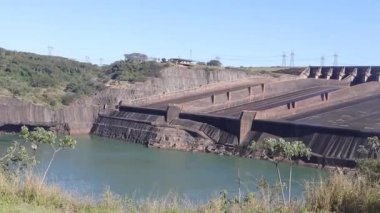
57 81
46 79
132 70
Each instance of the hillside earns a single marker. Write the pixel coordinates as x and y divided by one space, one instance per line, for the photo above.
56 81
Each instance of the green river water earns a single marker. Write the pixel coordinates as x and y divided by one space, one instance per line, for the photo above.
136 171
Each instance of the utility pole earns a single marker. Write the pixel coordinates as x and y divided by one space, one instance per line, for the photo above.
283 60
335 60
50 50
291 64
322 61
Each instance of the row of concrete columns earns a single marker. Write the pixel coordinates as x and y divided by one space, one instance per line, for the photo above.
229 94
291 105
342 72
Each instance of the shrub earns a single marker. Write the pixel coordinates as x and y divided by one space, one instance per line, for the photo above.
215 63
68 99
370 169
342 193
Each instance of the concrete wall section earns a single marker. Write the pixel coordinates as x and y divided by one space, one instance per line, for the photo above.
277 88
14 111
358 91
224 123
294 107
74 119
246 120
172 113
336 145
145 110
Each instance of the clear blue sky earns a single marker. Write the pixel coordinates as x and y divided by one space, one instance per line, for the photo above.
240 32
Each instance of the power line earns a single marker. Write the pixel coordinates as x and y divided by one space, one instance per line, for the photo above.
335 60
250 57
322 61
291 64
283 60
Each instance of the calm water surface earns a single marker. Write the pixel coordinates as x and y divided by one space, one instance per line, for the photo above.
134 170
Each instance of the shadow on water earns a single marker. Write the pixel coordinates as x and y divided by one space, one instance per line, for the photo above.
134 170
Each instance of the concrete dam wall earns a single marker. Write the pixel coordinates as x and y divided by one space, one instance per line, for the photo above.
274 111
353 74
79 117
330 146
315 107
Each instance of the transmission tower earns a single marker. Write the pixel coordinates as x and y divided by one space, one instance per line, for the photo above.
291 63
87 59
50 50
100 61
191 55
322 61
283 60
335 60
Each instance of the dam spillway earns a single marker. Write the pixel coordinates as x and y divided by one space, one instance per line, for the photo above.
333 110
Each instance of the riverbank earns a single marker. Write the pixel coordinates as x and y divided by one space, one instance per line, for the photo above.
339 193
134 170
137 169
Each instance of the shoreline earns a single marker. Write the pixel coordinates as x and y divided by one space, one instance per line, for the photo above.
227 151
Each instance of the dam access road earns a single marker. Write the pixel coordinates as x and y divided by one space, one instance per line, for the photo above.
331 109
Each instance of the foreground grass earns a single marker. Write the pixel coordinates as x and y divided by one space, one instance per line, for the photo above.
340 193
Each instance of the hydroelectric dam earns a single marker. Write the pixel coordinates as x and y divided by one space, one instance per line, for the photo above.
332 110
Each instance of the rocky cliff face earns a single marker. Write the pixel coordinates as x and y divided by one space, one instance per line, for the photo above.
79 117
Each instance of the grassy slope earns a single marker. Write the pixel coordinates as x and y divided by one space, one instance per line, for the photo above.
46 79
56 81
340 193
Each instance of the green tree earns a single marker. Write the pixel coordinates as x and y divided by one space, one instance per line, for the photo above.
41 136
17 159
369 162
136 57
277 150
215 63
371 149
22 155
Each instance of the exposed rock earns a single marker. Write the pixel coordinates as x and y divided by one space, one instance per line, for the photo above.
172 138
